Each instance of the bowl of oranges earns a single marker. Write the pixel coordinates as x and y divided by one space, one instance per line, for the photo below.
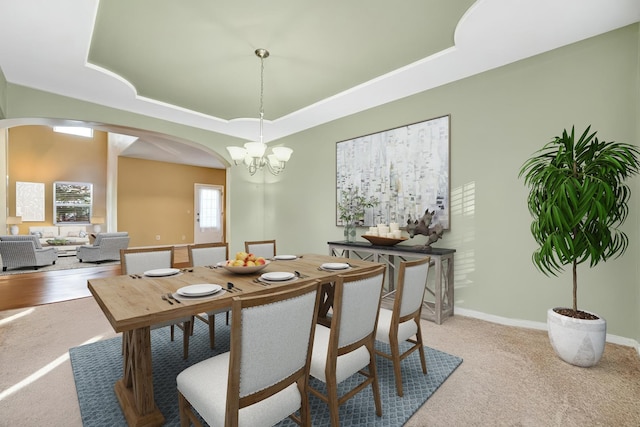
245 263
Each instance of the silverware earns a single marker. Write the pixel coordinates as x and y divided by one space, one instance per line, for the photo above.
170 295
164 297
133 276
230 287
300 275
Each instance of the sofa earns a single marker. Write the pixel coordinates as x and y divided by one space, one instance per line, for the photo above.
75 234
25 251
106 247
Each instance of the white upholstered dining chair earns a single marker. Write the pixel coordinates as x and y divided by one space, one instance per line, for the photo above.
403 322
137 261
263 248
347 346
263 378
204 254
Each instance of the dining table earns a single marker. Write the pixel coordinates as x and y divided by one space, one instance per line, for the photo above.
134 303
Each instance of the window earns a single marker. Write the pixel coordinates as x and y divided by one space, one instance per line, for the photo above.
71 130
209 208
72 202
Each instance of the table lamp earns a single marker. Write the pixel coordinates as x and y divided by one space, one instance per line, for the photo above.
96 221
13 221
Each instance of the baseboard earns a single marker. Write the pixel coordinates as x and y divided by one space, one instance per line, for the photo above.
614 339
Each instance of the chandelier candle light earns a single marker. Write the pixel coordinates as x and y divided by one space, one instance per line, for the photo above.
252 154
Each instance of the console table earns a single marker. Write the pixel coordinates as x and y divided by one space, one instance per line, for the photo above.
439 302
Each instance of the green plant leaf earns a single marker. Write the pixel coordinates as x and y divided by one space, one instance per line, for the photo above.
578 199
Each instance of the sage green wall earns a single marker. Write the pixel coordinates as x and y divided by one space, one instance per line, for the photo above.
3 97
498 119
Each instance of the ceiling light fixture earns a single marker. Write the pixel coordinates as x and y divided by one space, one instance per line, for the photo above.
252 155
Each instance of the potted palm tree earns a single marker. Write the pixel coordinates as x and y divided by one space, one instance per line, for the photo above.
578 200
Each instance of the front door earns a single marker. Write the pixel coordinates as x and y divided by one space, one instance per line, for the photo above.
208 213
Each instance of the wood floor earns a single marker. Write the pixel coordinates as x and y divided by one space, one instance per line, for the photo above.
29 289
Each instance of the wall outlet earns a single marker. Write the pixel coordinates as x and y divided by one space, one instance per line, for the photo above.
157 237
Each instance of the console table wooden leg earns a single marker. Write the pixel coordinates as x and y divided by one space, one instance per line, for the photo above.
450 284
135 389
438 292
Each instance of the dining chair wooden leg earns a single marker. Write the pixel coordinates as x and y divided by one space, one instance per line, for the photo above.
423 361
172 330
332 402
212 330
397 370
305 409
374 383
186 414
185 340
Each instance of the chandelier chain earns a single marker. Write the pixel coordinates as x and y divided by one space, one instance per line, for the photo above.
261 96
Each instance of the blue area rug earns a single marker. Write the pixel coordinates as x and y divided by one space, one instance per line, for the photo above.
97 366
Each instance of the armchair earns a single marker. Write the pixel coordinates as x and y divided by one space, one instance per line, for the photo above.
106 247
25 251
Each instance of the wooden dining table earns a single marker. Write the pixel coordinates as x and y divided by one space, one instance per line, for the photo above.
134 304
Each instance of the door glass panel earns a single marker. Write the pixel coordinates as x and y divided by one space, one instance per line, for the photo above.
209 208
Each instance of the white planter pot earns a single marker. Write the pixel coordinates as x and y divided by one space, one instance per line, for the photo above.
579 342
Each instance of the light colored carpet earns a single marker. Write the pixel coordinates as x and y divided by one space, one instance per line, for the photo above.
510 376
62 263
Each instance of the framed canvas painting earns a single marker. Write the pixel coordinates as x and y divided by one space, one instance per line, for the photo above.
405 168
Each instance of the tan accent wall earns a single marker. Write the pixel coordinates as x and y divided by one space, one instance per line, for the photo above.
156 199
38 154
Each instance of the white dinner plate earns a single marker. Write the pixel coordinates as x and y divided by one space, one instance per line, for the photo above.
276 282
198 290
285 257
334 266
277 276
162 272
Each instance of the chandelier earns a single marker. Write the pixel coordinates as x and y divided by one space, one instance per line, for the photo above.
252 155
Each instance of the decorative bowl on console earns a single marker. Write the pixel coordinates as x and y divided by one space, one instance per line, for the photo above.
383 241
